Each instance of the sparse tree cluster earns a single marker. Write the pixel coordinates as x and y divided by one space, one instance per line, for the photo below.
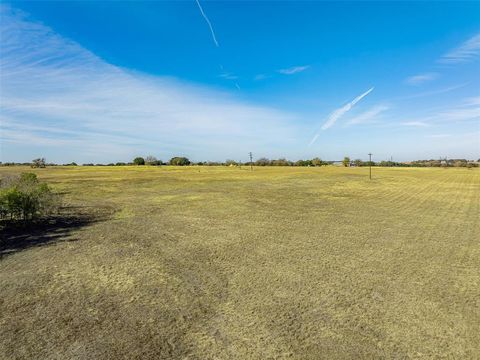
25 198
284 162
38 163
445 163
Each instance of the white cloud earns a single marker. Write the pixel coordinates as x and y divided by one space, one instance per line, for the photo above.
293 70
368 116
421 78
415 123
54 91
466 52
337 114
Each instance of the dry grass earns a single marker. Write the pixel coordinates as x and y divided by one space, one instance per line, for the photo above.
223 263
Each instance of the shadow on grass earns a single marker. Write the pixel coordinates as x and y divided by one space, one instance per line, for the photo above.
18 236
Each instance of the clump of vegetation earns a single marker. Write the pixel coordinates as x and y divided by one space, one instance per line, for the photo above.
152 160
179 161
139 161
38 163
25 198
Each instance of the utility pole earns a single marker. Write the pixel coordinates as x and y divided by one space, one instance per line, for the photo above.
251 160
370 164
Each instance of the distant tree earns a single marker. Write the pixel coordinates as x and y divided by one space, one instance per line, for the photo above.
38 163
303 163
139 161
460 163
358 162
179 161
230 162
281 162
120 164
317 161
262 162
346 161
152 160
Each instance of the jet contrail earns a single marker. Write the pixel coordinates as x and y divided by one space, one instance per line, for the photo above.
208 22
337 114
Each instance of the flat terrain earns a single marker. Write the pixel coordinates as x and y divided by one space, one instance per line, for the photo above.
224 263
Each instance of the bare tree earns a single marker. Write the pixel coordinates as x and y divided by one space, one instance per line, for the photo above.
38 163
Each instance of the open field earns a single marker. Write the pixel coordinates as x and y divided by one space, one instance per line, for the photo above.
224 263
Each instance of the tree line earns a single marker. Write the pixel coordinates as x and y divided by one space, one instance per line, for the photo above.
183 161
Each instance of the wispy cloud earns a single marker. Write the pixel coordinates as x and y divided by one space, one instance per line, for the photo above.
421 78
337 114
261 77
228 76
54 92
468 110
415 124
293 70
432 92
472 101
466 52
368 116
209 23
438 136
461 114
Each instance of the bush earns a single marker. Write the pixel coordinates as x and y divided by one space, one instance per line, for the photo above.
25 198
179 161
303 163
139 161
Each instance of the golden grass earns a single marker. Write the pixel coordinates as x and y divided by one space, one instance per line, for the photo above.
224 263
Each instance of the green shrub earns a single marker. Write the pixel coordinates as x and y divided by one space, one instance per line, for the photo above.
25 198
139 161
179 161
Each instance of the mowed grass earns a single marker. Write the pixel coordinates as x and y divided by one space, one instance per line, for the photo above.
224 263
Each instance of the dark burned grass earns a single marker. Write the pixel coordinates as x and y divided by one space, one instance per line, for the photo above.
226 264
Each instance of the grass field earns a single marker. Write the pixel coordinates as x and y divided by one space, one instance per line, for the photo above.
224 263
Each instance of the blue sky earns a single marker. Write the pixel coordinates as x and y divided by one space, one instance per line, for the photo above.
106 81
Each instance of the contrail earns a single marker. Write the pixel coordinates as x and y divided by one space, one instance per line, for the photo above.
209 23
337 114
